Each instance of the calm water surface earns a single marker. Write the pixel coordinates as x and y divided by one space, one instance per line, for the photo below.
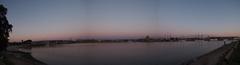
159 53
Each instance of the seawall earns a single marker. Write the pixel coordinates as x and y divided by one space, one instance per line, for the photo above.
218 56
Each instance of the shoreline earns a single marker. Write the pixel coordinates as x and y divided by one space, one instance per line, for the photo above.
219 56
16 57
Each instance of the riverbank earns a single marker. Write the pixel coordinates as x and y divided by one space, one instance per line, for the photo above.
220 56
235 58
18 58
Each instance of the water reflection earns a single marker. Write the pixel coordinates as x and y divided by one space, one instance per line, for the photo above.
159 53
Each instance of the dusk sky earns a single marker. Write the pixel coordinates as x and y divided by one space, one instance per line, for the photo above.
73 19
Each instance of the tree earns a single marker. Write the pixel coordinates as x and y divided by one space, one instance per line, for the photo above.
5 28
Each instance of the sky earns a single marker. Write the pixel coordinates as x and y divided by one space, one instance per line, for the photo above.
113 19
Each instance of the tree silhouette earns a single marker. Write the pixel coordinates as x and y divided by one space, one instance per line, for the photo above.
5 28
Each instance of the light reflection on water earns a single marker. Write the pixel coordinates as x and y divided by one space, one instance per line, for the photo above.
157 53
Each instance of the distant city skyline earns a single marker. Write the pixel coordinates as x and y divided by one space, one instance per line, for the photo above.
74 19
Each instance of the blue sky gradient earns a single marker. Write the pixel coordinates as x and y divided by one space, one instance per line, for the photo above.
73 19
